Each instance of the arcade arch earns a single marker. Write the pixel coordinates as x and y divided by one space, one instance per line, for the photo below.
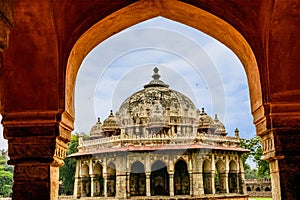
137 179
181 178
159 179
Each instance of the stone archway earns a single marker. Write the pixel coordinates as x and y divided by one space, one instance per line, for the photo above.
97 180
233 177
137 179
159 179
111 179
181 178
174 10
220 177
30 116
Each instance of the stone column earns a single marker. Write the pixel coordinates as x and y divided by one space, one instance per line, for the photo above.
241 178
279 129
37 148
224 182
197 175
226 174
105 184
191 183
171 183
281 150
76 193
121 185
92 177
213 166
148 187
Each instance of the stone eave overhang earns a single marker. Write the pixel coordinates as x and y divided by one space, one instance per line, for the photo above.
157 148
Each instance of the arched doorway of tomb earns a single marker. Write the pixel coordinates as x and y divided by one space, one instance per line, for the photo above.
85 181
159 179
111 179
98 181
181 178
233 177
220 177
137 179
207 177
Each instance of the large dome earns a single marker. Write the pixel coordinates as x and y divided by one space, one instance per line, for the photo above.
156 102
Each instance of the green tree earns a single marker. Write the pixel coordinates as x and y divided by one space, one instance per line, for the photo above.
255 154
6 176
67 171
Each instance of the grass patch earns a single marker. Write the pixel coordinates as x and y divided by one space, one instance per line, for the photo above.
260 198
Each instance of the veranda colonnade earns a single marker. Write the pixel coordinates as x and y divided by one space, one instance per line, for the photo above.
43 43
92 177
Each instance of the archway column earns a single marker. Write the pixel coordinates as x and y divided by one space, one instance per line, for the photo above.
191 183
92 184
128 184
171 182
105 184
213 167
37 144
121 184
224 182
241 178
77 181
279 132
148 184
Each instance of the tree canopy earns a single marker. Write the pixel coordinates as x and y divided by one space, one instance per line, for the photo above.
67 172
262 167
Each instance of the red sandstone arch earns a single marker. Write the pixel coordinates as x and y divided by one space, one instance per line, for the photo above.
174 10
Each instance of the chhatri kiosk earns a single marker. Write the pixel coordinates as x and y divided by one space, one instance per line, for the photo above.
159 146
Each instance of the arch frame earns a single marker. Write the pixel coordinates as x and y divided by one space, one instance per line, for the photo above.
173 10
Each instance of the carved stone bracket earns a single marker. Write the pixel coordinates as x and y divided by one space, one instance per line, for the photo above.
37 137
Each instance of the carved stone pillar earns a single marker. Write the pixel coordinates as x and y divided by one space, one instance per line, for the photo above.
281 149
241 178
76 192
224 182
171 183
121 185
92 185
37 147
213 166
148 187
128 184
279 131
191 183
105 184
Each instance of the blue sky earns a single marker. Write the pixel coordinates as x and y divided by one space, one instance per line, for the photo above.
189 61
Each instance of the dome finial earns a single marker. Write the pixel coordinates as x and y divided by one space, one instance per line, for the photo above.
156 76
111 113
156 82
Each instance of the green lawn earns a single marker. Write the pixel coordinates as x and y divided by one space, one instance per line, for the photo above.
260 198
